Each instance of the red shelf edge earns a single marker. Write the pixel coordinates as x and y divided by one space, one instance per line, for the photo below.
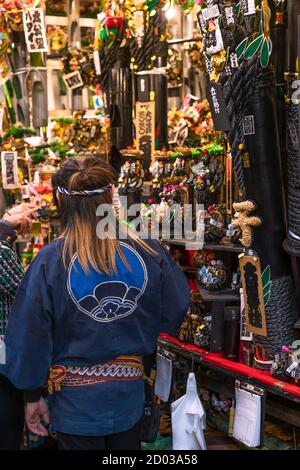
218 360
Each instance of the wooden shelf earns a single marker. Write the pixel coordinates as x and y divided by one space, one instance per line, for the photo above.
224 295
189 269
229 247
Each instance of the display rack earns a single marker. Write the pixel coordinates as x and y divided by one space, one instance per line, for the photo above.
233 369
217 298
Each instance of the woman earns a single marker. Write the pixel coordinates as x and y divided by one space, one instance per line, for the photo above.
87 311
18 218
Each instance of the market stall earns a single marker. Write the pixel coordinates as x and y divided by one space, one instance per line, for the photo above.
187 101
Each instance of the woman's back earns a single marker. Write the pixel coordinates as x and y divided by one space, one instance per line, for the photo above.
83 320
89 308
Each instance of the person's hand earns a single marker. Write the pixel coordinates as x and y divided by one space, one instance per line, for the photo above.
20 217
35 414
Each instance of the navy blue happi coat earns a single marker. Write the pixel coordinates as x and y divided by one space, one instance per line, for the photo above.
69 317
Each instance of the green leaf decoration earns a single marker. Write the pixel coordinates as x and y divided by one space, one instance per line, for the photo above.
264 53
267 287
266 276
253 47
238 9
241 48
267 293
266 284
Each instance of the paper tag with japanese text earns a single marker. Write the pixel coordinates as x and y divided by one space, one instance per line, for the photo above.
9 167
34 29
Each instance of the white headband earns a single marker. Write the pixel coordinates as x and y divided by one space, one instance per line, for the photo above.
85 192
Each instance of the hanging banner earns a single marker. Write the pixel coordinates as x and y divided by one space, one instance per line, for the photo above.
34 29
145 130
218 107
253 295
9 168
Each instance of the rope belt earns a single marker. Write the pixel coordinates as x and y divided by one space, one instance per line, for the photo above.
120 369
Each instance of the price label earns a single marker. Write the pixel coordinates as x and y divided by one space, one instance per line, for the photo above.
216 223
210 12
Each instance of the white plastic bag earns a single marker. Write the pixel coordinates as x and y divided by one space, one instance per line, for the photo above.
188 419
163 380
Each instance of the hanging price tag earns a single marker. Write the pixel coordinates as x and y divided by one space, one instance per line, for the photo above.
234 63
9 167
210 12
249 125
230 232
25 192
73 80
229 16
216 223
248 7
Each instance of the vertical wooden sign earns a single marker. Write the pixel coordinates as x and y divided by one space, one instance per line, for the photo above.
253 295
145 130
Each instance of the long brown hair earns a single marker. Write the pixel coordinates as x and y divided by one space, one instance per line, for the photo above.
78 213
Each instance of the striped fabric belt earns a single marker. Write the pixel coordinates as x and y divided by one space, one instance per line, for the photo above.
123 368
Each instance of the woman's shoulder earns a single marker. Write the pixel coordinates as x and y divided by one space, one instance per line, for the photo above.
149 248
51 248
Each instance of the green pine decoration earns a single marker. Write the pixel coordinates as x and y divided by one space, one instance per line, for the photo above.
253 47
264 53
19 132
261 43
241 48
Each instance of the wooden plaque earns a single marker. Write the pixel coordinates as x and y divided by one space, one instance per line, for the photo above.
145 130
253 295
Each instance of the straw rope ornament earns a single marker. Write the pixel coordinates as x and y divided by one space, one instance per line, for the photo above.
245 222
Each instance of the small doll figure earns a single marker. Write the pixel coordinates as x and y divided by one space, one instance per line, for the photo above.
213 39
